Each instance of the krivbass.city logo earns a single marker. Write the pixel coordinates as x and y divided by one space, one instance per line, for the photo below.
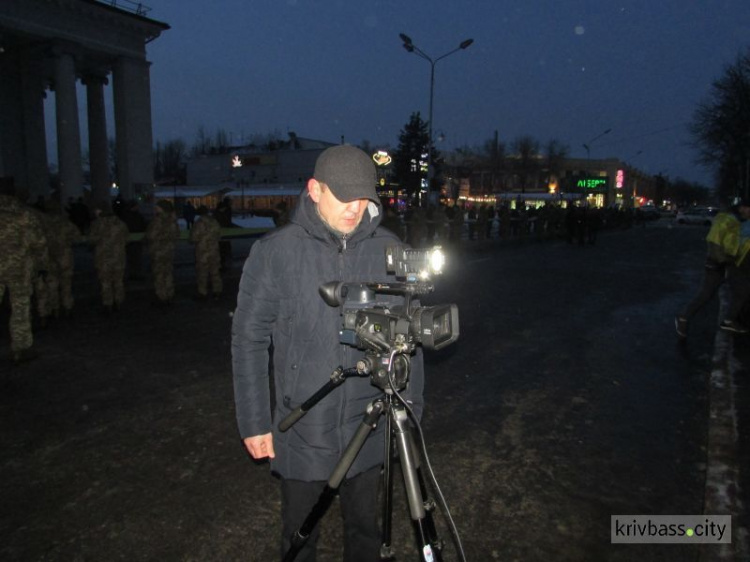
681 529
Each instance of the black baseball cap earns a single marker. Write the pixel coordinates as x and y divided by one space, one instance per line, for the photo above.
348 172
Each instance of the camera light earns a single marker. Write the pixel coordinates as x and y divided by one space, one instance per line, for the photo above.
437 261
414 265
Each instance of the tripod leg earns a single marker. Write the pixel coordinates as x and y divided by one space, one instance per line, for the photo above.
300 536
386 550
423 523
429 504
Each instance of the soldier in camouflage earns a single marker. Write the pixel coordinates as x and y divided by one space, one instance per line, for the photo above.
206 234
61 235
161 235
23 249
109 236
40 290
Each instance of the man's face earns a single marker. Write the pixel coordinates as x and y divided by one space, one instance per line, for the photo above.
342 217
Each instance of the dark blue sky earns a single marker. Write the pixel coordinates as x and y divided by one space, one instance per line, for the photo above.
565 69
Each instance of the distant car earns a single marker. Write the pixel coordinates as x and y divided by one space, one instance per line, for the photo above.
667 213
699 215
649 212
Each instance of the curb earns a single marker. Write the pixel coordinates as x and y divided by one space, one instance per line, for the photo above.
722 491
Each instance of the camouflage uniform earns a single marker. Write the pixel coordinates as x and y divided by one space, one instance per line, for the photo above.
206 234
162 234
40 273
61 235
22 248
109 235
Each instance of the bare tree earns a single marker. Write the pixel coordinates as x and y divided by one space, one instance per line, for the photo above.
170 161
721 128
526 152
202 144
556 152
494 152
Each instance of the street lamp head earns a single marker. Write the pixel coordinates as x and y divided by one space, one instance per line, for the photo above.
465 44
409 47
406 39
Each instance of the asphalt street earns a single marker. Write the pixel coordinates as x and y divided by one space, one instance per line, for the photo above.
567 399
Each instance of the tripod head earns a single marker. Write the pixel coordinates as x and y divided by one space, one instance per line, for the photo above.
388 333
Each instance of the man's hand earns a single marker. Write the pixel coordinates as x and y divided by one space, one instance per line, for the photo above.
260 446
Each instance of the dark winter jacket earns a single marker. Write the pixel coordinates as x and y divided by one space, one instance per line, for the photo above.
279 303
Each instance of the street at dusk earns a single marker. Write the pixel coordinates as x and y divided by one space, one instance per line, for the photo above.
182 182
567 399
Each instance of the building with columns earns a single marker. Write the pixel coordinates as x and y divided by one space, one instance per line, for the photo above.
51 45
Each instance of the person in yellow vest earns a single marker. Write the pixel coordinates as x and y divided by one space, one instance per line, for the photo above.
738 272
728 244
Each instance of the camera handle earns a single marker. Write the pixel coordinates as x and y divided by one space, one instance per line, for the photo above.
397 426
338 377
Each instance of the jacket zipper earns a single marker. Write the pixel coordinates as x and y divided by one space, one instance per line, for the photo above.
342 443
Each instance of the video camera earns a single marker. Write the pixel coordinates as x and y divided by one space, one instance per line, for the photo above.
384 327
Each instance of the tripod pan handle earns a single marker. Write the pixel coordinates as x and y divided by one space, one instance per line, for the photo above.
291 419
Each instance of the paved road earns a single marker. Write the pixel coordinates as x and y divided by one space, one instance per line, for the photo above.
567 399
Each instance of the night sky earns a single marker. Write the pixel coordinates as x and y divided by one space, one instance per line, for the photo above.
563 69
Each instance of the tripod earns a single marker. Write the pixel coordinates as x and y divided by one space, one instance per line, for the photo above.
398 438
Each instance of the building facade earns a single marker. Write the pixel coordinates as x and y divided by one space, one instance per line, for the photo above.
257 179
52 45
608 182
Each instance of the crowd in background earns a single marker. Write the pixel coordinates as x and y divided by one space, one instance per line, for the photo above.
37 267
37 262
450 224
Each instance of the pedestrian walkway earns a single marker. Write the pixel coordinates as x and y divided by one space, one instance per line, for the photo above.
728 445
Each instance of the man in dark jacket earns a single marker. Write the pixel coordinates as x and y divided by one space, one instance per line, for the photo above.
334 235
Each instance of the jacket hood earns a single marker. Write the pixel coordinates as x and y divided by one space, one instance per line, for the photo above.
306 215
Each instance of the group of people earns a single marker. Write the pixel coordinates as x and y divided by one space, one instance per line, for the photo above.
728 246
37 263
442 224
285 337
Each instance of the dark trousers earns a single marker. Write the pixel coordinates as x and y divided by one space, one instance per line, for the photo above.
225 254
738 278
134 259
359 507
713 277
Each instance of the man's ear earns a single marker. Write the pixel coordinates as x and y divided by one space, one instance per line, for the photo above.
314 189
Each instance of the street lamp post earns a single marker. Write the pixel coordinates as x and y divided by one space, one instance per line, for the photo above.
412 48
587 145
633 181
240 182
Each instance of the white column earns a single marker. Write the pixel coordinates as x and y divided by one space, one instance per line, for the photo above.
12 172
68 128
132 96
35 136
98 150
